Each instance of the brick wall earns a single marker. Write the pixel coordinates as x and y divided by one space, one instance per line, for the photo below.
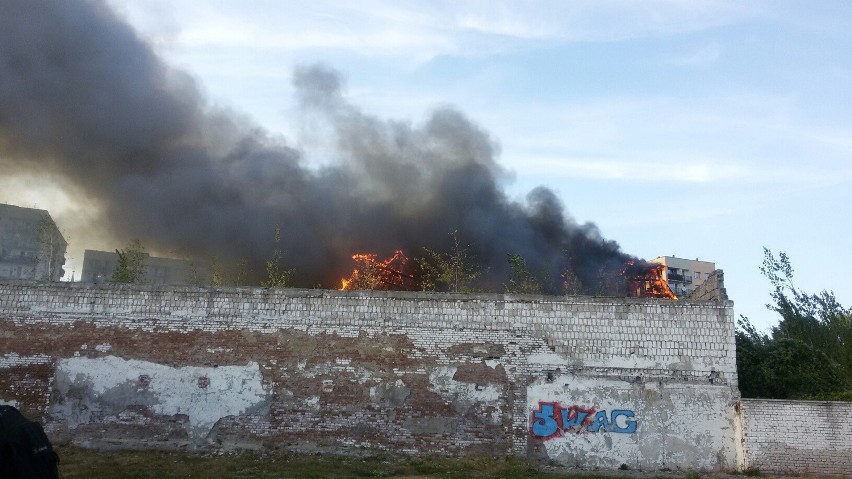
712 289
798 437
315 370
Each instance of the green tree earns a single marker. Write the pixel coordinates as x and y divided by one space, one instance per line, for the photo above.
817 319
51 249
783 368
276 275
240 273
217 273
451 271
753 367
131 263
571 284
522 281
366 276
809 353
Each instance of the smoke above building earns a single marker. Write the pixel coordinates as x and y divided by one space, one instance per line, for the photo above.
84 97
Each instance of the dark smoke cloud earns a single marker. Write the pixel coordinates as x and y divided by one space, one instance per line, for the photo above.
82 96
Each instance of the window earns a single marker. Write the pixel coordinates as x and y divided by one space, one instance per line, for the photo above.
706 275
697 275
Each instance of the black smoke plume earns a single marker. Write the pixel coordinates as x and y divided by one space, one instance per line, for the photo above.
82 96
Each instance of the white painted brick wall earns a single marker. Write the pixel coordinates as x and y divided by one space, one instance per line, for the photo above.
687 345
690 340
798 437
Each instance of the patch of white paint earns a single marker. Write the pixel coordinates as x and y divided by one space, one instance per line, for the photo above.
9 360
546 359
441 381
678 425
551 359
219 350
110 384
360 373
374 392
104 347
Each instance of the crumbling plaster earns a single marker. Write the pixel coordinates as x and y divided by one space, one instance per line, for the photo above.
313 370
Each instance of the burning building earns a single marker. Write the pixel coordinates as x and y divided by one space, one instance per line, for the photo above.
684 275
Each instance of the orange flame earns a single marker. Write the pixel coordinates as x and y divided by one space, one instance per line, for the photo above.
372 274
650 283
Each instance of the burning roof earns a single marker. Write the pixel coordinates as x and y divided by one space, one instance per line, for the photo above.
389 274
642 280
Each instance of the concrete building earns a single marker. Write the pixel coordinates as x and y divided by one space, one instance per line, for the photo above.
684 275
31 245
98 267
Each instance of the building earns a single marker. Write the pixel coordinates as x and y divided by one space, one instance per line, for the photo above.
99 266
31 245
684 275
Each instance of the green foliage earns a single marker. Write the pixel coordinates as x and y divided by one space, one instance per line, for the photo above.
131 263
753 364
366 276
809 354
217 274
240 273
571 284
610 282
448 271
783 368
50 248
276 275
522 280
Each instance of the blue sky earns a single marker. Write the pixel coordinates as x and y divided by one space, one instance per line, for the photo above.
699 129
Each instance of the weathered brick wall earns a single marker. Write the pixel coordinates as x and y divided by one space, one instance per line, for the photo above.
315 370
712 289
798 437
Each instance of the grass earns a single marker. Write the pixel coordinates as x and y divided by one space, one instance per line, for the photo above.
76 463
88 464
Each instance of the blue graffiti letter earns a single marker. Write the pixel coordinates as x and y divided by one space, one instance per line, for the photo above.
630 424
600 422
545 425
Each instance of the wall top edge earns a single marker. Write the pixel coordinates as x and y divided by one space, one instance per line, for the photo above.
803 402
372 294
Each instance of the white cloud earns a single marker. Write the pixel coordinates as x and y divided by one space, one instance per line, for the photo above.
701 57
723 139
603 20
420 30
644 170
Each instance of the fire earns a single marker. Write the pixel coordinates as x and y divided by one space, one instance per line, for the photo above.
649 283
642 279
389 274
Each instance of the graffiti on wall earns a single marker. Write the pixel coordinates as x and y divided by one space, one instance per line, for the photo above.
553 420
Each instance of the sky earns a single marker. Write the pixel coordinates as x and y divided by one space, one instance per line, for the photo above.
697 129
